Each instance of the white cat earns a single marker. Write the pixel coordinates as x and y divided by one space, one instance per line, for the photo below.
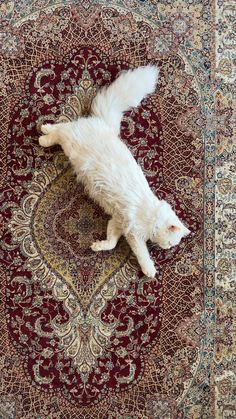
110 174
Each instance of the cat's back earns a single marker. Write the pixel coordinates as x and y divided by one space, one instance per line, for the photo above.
101 151
107 168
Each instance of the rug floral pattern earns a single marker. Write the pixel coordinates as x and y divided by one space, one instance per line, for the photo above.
86 335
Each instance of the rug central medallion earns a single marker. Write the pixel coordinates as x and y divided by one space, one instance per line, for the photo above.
64 225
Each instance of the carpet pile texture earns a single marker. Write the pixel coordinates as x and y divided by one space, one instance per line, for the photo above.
87 335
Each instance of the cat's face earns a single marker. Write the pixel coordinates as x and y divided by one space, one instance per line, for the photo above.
169 230
170 235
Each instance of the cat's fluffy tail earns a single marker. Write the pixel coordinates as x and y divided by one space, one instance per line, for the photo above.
125 92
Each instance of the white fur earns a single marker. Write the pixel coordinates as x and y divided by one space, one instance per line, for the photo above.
110 173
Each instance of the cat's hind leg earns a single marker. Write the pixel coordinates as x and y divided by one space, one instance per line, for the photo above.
47 128
114 232
48 140
51 136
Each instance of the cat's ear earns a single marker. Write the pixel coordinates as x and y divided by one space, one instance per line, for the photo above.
186 231
173 228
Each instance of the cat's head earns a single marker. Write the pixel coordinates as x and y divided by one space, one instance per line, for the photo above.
168 229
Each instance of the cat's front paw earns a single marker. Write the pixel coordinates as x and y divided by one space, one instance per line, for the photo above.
149 270
97 246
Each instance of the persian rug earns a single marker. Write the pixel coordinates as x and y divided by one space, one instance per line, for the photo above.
87 335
